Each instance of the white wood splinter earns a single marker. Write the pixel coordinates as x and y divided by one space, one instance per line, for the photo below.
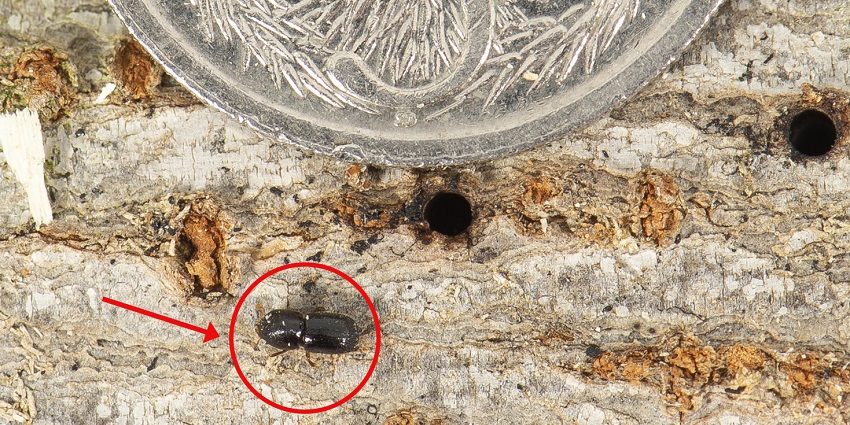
23 147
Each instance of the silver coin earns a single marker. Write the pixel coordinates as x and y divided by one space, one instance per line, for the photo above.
415 82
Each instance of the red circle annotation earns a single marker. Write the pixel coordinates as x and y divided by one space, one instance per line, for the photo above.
374 319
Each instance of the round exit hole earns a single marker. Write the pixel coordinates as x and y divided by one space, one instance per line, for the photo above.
812 133
448 213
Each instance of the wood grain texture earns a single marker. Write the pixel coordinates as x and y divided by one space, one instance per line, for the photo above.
674 262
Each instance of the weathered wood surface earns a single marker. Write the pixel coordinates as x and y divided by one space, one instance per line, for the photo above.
673 262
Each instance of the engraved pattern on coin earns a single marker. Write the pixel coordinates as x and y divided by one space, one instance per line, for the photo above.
415 82
376 54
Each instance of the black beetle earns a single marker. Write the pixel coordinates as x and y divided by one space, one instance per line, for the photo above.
326 333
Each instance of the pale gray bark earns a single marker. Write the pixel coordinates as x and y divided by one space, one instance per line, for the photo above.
493 328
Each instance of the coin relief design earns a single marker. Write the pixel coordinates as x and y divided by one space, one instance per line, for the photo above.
373 55
415 82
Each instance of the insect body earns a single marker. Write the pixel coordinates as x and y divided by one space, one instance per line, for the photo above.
327 333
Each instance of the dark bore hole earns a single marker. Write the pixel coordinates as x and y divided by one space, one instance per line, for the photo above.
812 133
448 213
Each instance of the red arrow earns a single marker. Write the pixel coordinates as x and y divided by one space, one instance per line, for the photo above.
209 333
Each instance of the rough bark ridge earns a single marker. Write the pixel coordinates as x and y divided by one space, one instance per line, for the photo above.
674 262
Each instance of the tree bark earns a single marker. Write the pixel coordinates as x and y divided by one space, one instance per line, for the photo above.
673 262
